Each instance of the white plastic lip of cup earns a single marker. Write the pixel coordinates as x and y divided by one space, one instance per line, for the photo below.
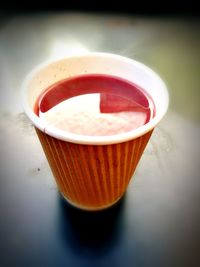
94 62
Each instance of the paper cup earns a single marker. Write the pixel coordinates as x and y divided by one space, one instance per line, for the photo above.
93 172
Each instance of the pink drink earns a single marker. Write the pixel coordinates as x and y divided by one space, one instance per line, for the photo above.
95 105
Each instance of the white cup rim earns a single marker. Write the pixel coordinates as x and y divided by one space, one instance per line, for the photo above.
86 139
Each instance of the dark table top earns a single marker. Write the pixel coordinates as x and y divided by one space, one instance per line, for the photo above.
157 223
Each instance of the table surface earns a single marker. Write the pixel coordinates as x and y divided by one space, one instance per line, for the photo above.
158 221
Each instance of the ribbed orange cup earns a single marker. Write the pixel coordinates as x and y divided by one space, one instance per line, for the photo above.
93 173
92 176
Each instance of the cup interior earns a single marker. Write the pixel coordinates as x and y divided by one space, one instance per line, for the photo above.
94 63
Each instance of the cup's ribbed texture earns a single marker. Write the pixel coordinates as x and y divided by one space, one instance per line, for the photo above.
92 176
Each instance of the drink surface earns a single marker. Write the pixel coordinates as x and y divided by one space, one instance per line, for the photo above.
95 105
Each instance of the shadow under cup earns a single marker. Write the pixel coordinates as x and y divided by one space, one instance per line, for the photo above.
93 172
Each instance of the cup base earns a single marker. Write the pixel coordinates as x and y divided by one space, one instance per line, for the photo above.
88 208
